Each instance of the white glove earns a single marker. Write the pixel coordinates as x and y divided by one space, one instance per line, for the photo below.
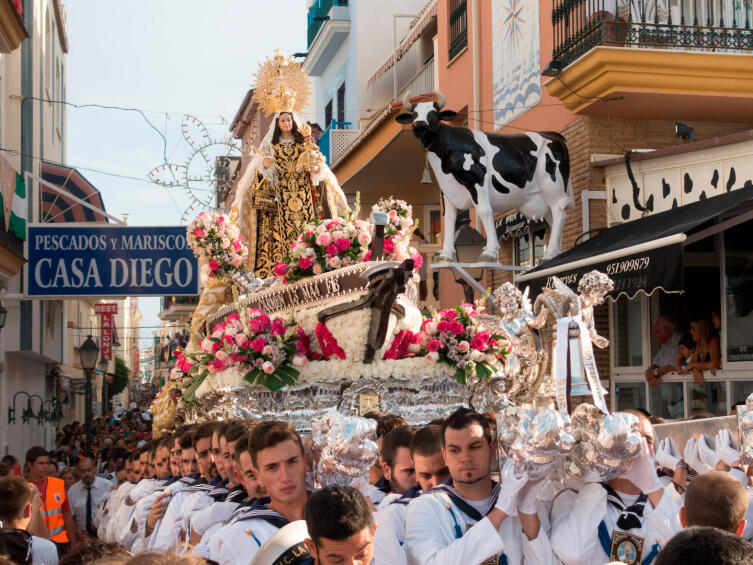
528 499
727 447
693 459
512 483
667 454
642 471
706 451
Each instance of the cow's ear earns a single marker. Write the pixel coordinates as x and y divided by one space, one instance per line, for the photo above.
404 118
447 115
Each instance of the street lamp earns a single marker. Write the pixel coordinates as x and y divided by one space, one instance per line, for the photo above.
88 352
103 364
468 246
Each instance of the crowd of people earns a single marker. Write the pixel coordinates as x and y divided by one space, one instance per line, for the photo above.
243 492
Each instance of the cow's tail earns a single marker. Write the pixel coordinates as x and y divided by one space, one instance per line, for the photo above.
564 168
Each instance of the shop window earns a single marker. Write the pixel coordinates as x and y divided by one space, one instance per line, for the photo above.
522 247
458 27
666 400
630 395
738 271
627 333
707 397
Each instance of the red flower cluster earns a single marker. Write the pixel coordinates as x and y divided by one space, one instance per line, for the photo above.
328 343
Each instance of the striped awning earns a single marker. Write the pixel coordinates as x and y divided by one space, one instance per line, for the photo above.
417 27
57 208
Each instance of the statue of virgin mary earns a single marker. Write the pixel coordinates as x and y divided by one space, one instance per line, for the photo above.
286 183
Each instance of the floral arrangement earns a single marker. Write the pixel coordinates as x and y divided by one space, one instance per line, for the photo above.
265 351
326 245
398 231
217 243
456 338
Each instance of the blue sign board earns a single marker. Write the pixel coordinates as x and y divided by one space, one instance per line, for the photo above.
102 260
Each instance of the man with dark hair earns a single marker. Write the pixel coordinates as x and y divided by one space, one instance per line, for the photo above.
340 526
385 424
715 499
628 515
276 453
166 529
189 466
17 498
426 453
397 465
56 509
706 546
469 519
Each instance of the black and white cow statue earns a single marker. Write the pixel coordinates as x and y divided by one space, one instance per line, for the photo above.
495 173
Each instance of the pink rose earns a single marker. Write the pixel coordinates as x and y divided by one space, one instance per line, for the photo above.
448 314
364 238
281 269
367 255
198 232
418 261
217 365
433 345
299 361
258 344
323 239
392 214
477 356
389 245
304 262
433 356
317 269
213 265
343 244
443 326
463 346
335 262
456 327
483 335
478 344
268 367
278 327
332 249
220 219
240 339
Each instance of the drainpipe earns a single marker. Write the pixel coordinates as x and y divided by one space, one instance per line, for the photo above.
476 74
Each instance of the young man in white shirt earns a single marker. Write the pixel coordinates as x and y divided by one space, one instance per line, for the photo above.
85 495
276 452
468 519
430 468
629 517
340 527
397 465
15 514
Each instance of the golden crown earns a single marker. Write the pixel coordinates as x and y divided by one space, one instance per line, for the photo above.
281 85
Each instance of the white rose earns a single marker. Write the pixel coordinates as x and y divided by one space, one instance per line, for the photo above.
267 350
225 243
491 359
477 356
299 361
433 356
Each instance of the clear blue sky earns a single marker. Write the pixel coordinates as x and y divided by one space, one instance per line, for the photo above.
166 57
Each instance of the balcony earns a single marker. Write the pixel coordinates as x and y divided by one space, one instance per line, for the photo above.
654 59
336 140
328 26
420 83
177 307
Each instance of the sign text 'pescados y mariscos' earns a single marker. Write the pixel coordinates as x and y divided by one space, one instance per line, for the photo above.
110 261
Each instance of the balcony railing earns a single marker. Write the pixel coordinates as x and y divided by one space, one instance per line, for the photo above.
686 25
333 141
420 83
318 15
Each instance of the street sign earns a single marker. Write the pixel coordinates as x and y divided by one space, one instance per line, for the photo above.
107 260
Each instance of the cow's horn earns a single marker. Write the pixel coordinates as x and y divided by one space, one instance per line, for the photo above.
441 99
407 105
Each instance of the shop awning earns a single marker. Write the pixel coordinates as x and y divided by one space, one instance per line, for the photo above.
59 208
646 254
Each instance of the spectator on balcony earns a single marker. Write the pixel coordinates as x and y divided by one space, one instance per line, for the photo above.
708 355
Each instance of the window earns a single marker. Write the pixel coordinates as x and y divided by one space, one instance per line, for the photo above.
341 104
627 332
738 270
522 255
458 27
666 400
328 115
708 397
630 395
435 225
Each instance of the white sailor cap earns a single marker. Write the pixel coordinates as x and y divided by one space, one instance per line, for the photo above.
285 547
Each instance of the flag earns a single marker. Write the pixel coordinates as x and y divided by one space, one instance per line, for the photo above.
17 222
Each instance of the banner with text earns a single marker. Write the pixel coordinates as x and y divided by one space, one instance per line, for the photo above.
103 261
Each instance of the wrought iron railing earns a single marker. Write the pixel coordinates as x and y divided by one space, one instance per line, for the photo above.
687 25
458 27
318 15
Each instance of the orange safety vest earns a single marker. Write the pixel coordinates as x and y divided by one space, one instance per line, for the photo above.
52 511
